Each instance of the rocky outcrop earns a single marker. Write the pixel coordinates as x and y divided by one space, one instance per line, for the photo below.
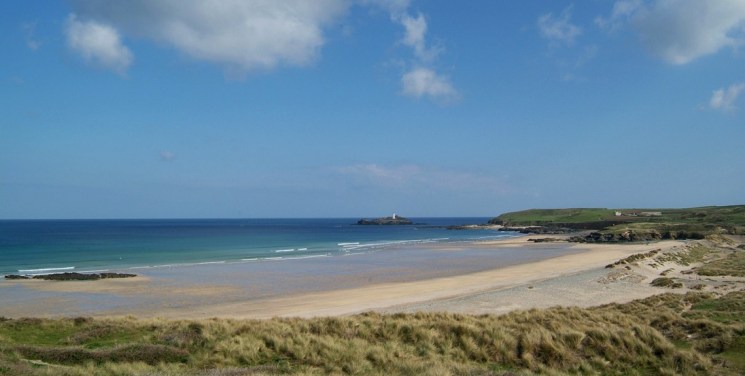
548 230
72 276
545 240
473 227
395 220
635 236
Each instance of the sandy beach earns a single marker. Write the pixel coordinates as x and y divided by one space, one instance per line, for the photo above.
574 277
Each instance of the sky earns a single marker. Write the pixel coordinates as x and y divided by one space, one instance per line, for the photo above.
353 108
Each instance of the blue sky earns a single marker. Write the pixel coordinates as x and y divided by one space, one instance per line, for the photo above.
344 108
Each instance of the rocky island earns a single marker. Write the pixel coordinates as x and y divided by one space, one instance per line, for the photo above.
392 220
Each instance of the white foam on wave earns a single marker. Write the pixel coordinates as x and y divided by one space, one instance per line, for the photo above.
302 249
353 246
347 244
309 256
176 265
45 269
285 250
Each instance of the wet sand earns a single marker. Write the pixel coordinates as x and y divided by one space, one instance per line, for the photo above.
451 276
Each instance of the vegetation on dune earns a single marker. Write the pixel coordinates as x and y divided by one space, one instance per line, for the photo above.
624 225
691 334
731 265
722 215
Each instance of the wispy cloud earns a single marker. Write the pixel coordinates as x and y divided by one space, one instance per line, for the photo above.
414 177
98 44
724 99
421 78
167 155
424 82
415 37
29 29
559 28
680 31
622 10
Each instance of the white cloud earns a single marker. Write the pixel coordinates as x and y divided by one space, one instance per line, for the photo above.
680 31
415 177
98 43
421 82
241 35
416 31
559 29
724 99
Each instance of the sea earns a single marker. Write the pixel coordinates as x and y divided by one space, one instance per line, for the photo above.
31 247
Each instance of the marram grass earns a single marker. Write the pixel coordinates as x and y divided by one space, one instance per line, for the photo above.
669 334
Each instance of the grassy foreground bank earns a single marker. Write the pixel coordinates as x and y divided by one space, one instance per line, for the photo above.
695 333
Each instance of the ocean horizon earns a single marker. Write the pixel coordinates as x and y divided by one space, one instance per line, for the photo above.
43 246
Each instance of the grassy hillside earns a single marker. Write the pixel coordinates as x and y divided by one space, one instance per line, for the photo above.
635 224
723 215
540 217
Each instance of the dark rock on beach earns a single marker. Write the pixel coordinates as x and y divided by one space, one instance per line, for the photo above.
545 240
473 227
15 276
547 230
72 276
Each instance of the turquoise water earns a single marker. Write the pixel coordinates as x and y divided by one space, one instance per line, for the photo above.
48 246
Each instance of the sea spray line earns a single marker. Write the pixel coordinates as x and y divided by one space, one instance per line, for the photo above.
45 269
296 257
353 246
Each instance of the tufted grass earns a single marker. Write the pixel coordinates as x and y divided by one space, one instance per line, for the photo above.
668 334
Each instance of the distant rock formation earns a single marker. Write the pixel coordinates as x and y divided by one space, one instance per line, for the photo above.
392 220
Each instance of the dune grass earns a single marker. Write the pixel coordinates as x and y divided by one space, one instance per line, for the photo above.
731 265
664 335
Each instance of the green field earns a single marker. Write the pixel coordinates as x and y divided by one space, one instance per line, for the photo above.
723 215
635 224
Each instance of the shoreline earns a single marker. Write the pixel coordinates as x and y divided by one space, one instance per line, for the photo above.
462 292
402 297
